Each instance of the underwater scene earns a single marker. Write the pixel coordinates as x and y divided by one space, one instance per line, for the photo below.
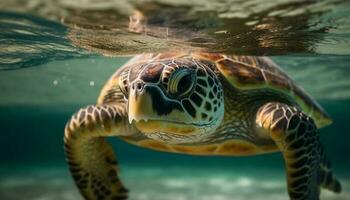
57 55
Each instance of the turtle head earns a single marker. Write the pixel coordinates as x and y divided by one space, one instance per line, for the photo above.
178 96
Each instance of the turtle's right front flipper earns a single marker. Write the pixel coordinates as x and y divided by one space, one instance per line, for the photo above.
296 136
91 159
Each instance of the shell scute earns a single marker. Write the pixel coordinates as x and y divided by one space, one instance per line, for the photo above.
244 76
277 81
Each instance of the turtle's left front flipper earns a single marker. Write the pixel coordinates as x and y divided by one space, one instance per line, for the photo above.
90 157
296 136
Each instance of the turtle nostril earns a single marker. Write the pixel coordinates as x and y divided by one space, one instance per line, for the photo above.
138 86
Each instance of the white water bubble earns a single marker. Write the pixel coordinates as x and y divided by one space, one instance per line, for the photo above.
55 82
92 83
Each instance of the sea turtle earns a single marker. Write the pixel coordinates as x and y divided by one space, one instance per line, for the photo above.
201 104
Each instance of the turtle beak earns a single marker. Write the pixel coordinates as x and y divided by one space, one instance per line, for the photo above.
139 102
139 105
148 102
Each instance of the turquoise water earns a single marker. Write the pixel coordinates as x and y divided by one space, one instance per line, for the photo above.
47 73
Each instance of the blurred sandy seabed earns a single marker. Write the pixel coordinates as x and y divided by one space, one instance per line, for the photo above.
148 183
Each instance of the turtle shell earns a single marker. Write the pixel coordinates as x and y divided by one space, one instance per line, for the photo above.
251 72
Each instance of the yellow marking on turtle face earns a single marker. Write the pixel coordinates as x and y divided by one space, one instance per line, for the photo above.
154 126
148 127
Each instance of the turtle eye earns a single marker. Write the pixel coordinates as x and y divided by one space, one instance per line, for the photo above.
181 82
